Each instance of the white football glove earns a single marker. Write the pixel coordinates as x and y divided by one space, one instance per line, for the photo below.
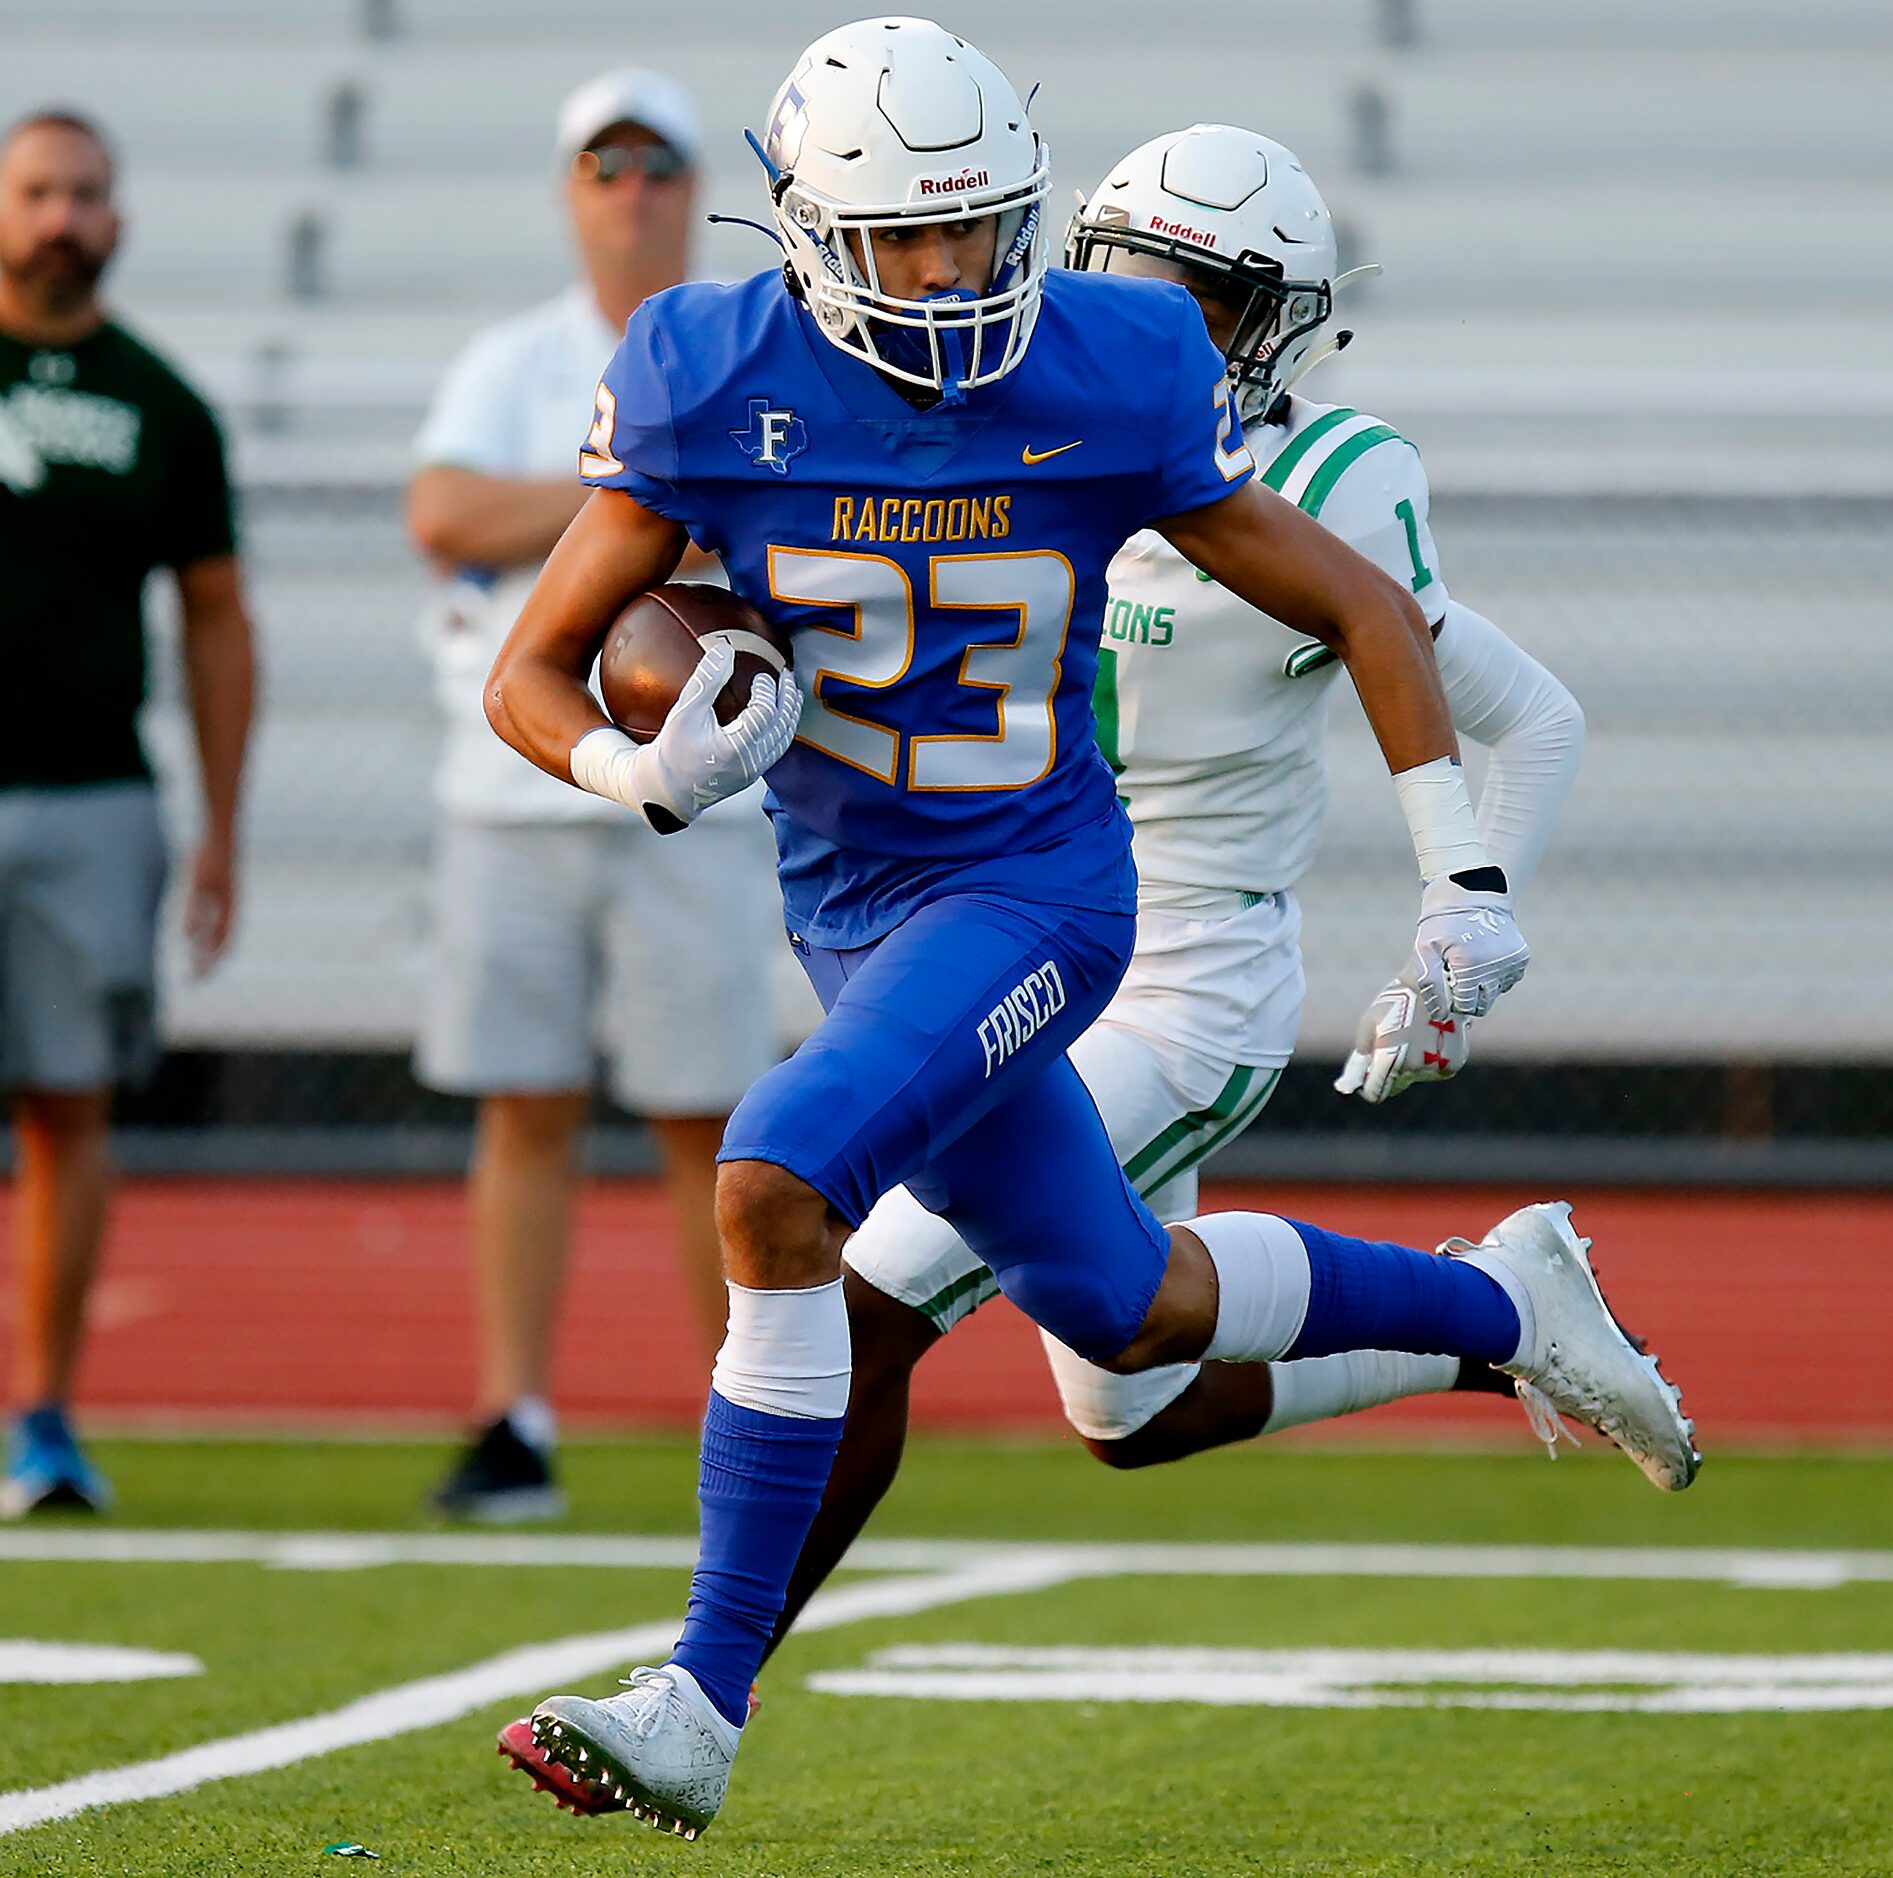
1467 949
1397 1044
693 761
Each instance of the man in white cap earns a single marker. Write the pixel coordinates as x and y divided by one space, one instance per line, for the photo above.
562 923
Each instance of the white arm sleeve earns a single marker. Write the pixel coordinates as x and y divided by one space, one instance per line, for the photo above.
1503 698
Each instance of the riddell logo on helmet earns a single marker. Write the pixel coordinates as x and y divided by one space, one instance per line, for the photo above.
1158 226
954 185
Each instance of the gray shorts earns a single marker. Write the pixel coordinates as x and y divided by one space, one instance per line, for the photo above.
81 875
553 943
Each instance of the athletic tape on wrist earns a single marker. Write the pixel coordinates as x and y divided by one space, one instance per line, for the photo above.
608 763
601 763
1439 816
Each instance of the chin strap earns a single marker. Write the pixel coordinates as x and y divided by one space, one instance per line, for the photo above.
1342 340
1339 343
743 221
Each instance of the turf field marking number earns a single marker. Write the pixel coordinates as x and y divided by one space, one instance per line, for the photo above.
1019 671
24 1660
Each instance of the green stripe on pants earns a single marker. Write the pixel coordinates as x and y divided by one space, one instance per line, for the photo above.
1179 1147
941 1303
1187 1152
1152 1152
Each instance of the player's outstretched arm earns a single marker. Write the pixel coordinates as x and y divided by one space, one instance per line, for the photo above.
1501 697
1467 949
536 694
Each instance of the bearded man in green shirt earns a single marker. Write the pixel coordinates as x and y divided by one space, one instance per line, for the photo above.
110 467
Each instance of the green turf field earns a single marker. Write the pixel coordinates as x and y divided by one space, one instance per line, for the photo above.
1007 1708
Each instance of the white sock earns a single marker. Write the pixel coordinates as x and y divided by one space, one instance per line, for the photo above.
1262 1284
1318 1388
532 1420
786 1353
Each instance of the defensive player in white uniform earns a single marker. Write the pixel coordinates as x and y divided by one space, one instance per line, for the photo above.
1219 740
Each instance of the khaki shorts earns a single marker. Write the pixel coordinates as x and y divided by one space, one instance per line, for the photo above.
554 943
81 875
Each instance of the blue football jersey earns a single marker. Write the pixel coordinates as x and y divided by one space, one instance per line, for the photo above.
942 572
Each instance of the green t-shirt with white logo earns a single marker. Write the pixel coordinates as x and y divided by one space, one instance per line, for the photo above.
110 466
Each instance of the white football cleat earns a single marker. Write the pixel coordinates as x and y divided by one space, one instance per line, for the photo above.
661 1747
1575 1354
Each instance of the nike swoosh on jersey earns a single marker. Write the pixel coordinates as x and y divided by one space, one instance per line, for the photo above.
1029 455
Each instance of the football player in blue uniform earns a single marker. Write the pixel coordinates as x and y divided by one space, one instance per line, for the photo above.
916 450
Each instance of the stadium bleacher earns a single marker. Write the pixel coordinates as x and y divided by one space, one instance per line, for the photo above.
1634 314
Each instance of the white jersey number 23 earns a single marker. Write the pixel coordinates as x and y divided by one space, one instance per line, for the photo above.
875 652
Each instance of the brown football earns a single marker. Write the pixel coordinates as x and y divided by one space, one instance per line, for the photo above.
654 645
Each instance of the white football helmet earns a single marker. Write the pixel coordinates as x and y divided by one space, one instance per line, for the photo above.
1239 206
896 122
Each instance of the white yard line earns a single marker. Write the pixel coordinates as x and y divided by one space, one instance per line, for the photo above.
27 1659
356 1551
533 1670
336 1551
940 1572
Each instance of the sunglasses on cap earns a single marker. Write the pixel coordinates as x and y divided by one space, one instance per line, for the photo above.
605 163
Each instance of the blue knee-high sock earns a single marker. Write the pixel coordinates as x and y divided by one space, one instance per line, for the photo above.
758 1485
1365 1294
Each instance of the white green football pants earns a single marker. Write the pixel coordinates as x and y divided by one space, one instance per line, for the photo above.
1182 1060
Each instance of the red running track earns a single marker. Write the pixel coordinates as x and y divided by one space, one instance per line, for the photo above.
306 1301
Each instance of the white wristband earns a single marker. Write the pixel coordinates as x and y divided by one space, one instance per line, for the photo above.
604 761
1439 814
